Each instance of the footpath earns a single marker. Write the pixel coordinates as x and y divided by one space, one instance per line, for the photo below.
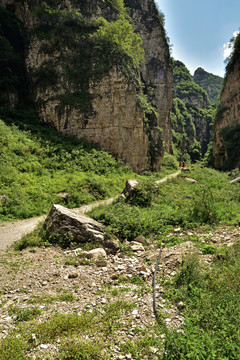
14 231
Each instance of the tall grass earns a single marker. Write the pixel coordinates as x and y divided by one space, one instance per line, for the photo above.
212 304
37 163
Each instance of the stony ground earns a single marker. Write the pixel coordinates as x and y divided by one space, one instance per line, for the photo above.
54 280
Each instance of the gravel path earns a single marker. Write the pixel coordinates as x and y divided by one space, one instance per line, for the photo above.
13 231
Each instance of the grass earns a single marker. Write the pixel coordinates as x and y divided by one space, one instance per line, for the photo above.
212 304
40 166
72 330
176 203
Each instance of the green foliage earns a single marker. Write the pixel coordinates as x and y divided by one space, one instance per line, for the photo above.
80 350
212 300
190 114
38 163
120 40
188 90
170 162
212 84
143 194
99 45
234 57
21 315
36 238
177 202
12 348
209 249
180 72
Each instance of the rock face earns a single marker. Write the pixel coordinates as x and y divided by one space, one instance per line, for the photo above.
79 228
157 72
226 146
102 103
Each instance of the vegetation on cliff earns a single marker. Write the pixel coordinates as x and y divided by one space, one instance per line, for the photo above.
235 55
226 122
212 84
191 116
84 49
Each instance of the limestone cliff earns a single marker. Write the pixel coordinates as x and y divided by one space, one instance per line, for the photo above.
84 83
226 146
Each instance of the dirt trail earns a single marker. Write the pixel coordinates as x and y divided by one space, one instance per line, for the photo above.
13 231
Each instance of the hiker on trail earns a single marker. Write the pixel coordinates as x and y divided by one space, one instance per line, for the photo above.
183 164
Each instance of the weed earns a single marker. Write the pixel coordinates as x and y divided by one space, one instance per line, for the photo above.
211 296
24 314
208 249
80 350
67 297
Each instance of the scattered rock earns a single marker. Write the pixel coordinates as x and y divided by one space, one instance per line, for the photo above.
181 305
101 263
96 253
136 246
63 195
141 239
76 227
72 275
193 181
130 187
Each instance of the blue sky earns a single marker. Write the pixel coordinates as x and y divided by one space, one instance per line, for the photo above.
198 30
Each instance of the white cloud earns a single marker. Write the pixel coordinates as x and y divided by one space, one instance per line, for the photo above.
228 47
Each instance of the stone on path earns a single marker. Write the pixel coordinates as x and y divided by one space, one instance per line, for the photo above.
235 180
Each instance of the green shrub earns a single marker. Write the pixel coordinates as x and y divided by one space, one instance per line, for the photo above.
204 208
143 194
170 162
12 348
24 314
209 249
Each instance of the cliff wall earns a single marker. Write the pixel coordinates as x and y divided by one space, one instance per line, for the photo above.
86 84
226 146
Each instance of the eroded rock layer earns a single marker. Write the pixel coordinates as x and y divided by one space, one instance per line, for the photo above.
82 90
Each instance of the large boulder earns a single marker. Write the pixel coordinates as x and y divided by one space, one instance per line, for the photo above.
65 223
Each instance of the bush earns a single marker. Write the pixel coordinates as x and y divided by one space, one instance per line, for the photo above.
143 194
204 209
170 162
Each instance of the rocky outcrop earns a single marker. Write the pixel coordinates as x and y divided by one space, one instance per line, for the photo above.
226 146
102 103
